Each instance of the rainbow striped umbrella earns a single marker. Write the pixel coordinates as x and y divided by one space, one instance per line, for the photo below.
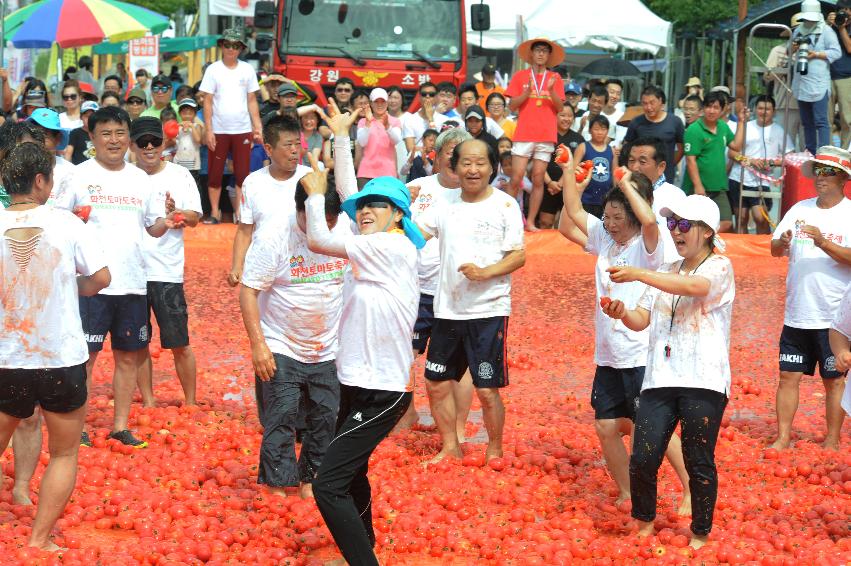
76 23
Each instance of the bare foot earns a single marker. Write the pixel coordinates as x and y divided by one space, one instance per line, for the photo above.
305 490
622 497
645 529
409 420
21 497
530 227
462 435
281 491
48 546
151 405
781 444
832 444
685 506
698 541
492 452
445 454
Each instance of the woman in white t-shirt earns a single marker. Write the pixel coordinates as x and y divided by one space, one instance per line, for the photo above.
380 299
840 343
48 258
628 235
687 306
71 99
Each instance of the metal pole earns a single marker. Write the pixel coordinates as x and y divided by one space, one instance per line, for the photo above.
2 49
668 75
741 42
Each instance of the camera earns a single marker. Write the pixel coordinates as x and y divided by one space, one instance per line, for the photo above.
841 18
802 58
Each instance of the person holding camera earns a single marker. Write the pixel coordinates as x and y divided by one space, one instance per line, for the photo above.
840 70
814 47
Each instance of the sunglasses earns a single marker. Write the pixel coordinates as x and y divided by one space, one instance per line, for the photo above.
231 45
428 94
825 171
343 90
152 141
35 92
373 204
160 89
683 224
69 97
135 102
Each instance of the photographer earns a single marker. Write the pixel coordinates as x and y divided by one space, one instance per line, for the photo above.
840 70
814 48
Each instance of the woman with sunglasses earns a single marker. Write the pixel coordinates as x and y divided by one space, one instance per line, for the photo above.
380 299
71 100
34 95
687 307
626 236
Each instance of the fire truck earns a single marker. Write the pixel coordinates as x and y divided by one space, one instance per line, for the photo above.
373 42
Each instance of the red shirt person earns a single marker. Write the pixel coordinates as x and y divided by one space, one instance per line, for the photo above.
537 95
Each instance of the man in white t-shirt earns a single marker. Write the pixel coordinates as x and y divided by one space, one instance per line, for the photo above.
164 258
416 123
765 144
268 193
840 343
647 156
816 236
122 211
480 231
426 191
231 117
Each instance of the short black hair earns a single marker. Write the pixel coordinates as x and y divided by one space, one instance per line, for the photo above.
765 98
332 198
109 114
504 138
694 98
492 157
468 87
12 133
277 125
659 149
615 82
426 84
344 81
184 91
504 155
541 44
110 94
717 96
653 90
430 132
447 86
20 167
167 114
494 96
359 93
114 78
598 119
644 188
600 90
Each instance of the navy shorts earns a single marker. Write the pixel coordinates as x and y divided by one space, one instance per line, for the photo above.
168 303
615 392
478 344
424 323
747 202
57 390
124 317
801 349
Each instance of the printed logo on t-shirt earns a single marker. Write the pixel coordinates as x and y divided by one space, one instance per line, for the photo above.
600 170
302 272
424 201
114 202
687 147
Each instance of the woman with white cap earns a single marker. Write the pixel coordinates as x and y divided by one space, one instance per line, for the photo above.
378 134
688 307
380 301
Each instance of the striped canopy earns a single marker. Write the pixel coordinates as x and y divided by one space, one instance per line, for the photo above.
76 23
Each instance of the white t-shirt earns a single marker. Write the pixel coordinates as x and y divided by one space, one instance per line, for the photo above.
842 324
699 339
301 292
480 233
380 302
67 123
663 197
164 256
230 89
428 264
815 281
64 194
122 207
615 345
266 200
761 143
40 306
413 125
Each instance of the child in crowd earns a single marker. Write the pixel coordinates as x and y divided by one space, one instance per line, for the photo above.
170 146
504 144
188 150
421 159
600 153
503 178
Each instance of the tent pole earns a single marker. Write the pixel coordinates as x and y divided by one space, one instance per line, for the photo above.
668 75
712 62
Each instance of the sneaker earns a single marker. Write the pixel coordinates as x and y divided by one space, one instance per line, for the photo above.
126 437
210 220
85 440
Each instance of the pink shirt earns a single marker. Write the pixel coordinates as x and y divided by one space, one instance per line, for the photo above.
379 147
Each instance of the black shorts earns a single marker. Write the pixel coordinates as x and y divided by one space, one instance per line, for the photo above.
168 303
125 317
615 392
479 344
57 390
551 204
424 323
747 202
801 349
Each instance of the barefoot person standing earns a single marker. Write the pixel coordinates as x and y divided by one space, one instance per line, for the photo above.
688 308
816 236
47 259
627 235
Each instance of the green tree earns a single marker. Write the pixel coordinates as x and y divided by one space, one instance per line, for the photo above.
167 7
695 15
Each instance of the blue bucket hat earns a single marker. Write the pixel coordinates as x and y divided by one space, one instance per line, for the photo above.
49 119
389 189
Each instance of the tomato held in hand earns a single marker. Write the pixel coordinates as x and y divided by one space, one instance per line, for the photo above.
178 217
562 154
580 176
587 164
83 212
619 173
171 129
605 302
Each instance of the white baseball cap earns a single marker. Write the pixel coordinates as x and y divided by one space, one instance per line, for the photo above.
377 94
698 208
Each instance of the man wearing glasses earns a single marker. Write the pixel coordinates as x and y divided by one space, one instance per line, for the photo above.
414 124
816 236
231 88
343 91
161 93
136 103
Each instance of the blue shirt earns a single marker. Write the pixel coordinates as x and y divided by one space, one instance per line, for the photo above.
813 86
601 174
